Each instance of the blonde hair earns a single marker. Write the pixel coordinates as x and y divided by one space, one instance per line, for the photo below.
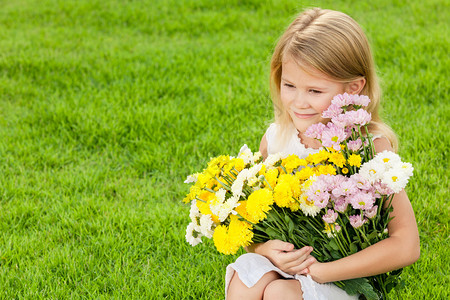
335 45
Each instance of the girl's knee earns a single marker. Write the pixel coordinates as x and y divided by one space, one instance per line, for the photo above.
283 289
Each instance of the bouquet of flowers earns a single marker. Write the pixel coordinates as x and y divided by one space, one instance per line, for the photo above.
337 200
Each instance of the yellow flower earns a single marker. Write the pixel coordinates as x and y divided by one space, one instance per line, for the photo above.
206 199
337 158
354 160
271 177
258 203
292 162
317 158
344 171
304 173
324 170
229 239
287 191
194 191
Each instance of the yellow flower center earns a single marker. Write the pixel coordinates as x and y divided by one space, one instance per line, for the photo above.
334 138
386 159
394 178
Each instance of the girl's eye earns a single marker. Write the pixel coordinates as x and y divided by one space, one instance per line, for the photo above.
315 91
288 85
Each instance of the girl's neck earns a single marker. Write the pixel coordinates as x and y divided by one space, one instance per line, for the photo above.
309 142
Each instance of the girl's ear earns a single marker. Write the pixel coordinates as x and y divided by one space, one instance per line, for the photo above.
356 86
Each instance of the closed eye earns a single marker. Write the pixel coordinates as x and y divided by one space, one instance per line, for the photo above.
289 85
315 91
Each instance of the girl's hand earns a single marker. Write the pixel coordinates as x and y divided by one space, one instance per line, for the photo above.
315 271
285 257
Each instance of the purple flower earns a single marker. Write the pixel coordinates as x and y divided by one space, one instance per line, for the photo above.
332 111
361 182
362 200
370 213
354 145
357 221
352 117
342 100
340 204
345 188
362 100
330 217
332 136
315 131
382 188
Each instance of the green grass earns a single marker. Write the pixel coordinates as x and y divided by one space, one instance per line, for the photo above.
106 106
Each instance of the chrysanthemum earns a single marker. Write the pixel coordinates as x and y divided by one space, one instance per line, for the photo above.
315 131
395 179
292 162
357 221
318 157
259 203
330 217
388 158
193 237
206 226
229 239
332 136
308 207
354 145
371 213
372 171
354 160
362 200
338 159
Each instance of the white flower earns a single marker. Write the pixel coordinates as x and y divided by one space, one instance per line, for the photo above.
220 194
274 158
253 171
194 213
206 224
256 156
395 179
407 168
192 236
387 158
238 184
372 170
246 154
191 178
308 207
223 210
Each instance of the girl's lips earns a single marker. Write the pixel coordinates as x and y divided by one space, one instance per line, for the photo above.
304 116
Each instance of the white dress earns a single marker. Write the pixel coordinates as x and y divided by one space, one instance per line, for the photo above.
251 266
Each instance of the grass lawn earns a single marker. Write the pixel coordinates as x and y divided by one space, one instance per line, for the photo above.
106 106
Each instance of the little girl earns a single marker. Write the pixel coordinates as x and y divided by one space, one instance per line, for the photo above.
322 53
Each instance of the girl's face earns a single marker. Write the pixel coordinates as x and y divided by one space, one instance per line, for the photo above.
306 93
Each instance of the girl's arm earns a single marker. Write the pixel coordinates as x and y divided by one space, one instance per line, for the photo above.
400 249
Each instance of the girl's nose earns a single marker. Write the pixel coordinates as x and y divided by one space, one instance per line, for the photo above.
301 101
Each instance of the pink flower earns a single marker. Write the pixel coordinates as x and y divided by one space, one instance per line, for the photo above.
352 117
354 145
371 213
357 221
382 188
332 111
332 136
315 131
362 100
340 205
321 199
362 200
345 188
342 100
361 182
330 217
